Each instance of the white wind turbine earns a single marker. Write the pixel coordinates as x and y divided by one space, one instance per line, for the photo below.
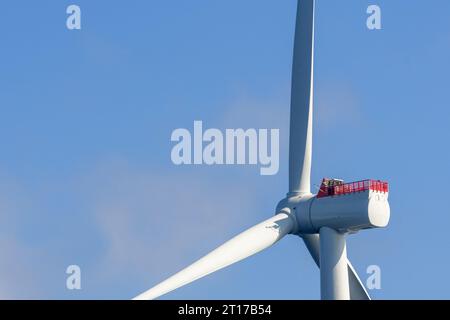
322 220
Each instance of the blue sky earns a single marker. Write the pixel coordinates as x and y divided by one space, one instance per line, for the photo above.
86 118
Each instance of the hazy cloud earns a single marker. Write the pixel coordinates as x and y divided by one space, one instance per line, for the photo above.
152 221
18 279
336 105
139 224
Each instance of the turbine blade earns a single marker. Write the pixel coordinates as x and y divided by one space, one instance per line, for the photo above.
312 242
357 289
300 143
242 246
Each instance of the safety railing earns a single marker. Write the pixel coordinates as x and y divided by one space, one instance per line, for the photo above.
354 187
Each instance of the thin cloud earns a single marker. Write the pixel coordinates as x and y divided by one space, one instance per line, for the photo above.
153 223
336 105
19 277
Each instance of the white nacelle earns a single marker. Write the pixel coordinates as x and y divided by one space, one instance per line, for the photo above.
345 213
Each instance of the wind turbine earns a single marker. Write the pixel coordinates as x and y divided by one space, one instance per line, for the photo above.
323 220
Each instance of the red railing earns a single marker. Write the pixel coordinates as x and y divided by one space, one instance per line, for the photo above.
354 187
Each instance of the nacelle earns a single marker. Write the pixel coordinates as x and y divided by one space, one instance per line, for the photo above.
348 210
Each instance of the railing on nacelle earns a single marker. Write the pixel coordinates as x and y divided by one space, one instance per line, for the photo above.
353 187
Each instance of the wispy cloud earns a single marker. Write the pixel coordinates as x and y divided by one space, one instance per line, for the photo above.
336 105
18 278
153 222
146 224
131 226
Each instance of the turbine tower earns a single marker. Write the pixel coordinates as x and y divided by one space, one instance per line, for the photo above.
322 220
